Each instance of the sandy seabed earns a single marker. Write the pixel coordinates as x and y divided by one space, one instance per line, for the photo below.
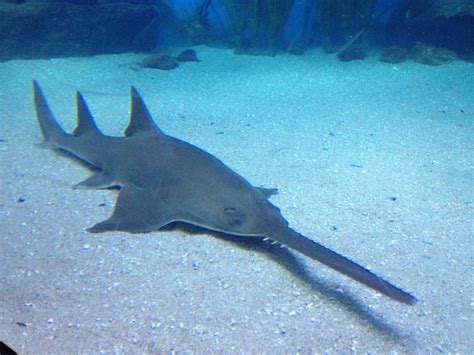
372 160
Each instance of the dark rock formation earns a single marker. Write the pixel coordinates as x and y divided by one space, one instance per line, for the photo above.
430 55
343 18
256 24
393 54
467 56
196 32
296 49
188 55
356 51
427 10
159 61
440 23
48 29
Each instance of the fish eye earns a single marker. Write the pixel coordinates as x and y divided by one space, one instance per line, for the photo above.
236 219
237 222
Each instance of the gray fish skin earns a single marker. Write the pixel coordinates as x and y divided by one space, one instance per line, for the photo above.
163 179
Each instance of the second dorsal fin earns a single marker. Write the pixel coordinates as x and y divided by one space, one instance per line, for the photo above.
140 118
85 121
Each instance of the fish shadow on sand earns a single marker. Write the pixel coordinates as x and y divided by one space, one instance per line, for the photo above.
297 267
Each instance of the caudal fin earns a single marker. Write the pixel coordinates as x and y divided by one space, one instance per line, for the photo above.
52 132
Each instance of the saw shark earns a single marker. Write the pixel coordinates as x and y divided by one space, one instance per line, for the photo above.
163 179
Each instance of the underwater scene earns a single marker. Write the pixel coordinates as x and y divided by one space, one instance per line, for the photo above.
236 176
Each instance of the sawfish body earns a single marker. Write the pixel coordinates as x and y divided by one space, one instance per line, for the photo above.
163 179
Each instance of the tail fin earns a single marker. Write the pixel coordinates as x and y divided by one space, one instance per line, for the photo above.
53 134
342 264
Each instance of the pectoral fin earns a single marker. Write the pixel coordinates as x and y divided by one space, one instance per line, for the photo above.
137 210
268 192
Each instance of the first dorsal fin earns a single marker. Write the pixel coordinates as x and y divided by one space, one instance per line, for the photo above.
85 121
140 118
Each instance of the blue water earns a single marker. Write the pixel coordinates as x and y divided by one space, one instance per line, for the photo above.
373 160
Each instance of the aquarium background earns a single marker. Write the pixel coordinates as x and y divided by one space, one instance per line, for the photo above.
38 29
359 112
